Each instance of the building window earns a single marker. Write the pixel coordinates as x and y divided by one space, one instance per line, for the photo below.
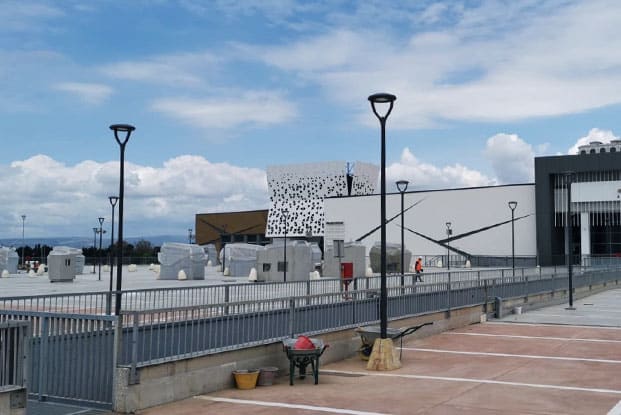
602 150
266 267
282 265
613 149
592 151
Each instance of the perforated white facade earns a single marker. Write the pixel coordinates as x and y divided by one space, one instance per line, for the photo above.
297 192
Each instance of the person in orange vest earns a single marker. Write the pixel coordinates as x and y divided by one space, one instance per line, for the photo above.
418 268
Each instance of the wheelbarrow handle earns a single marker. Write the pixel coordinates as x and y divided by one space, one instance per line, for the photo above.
411 330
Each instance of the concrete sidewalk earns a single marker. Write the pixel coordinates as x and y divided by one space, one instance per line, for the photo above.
547 361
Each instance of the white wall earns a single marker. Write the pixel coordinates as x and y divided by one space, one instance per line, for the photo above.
466 209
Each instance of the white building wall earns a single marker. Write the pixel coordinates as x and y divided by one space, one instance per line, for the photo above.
467 210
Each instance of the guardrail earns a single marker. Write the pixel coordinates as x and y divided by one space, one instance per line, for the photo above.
14 349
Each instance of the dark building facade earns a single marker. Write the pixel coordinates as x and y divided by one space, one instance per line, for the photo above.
593 179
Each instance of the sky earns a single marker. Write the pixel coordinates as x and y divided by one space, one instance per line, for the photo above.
219 90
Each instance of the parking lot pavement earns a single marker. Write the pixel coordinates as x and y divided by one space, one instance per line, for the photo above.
545 366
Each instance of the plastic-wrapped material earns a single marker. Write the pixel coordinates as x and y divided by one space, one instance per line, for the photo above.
393 257
241 258
354 253
174 257
61 263
271 265
78 260
8 260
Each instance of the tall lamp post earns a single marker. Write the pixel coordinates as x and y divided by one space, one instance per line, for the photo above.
512 205
94 247
569 236
449 232
125 129
23 239
285 212
190 235
101 231
389 99
402 186
113 200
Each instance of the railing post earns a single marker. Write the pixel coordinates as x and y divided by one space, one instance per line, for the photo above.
116 353
132 373
43 358
226 299
291 316
448 295
308 292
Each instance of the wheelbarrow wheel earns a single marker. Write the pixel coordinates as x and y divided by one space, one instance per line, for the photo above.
365 351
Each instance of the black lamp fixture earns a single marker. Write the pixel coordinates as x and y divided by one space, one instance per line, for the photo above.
383 99
512 205
113 200
101 231
126 130
449 232
23 238
284 213
569 176
94 247
402 186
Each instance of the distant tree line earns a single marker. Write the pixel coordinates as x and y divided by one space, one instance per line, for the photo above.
142 248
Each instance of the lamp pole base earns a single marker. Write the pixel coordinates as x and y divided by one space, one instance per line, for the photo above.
384 356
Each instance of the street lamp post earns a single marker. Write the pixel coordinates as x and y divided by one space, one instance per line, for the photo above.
512 206
94 247
383 98
449 232
101 221
190 235
285 212
402 186
23 239
568 233
127 130
113 200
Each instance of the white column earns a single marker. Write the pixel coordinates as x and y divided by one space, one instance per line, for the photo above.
585 238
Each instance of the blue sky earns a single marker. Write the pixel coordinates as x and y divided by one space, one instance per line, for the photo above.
218 90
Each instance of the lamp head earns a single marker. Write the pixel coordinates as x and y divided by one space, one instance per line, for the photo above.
124 128
402 185
95 230
448 225
101 221
382 98
512 204
113 200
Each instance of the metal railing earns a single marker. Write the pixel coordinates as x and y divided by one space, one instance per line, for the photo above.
158 298
14 350
157 335
72 356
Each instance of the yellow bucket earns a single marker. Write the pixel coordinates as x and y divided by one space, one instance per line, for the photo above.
246 379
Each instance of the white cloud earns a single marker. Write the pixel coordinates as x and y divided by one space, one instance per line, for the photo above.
595 134
184 68
257 107
424 175
493 64
65 200
511 157
87 92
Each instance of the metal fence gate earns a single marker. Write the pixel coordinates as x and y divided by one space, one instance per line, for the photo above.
71 356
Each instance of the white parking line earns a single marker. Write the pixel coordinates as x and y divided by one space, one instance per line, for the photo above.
526 356
616 410
513 336
579 326
289 405
485 381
